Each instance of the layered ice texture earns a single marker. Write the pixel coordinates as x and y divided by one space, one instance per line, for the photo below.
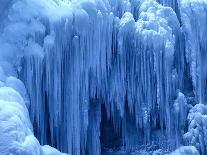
83 75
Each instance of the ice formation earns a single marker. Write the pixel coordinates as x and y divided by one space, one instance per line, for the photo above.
16 130
91 74
185 150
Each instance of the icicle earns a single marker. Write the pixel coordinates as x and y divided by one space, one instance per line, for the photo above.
32 75
180 110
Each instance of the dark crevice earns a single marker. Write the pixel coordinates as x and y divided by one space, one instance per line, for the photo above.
110 138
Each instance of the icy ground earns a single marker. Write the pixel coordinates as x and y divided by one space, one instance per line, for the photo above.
81 75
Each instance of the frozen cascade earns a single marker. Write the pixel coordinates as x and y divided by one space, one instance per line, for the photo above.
137 66
76 76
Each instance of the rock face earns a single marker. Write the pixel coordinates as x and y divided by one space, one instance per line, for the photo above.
82 75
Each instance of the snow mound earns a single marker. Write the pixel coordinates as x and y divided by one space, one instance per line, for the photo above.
15 128
48 150
16 131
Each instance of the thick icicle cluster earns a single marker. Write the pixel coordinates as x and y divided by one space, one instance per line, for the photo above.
194 17
16 131
121 63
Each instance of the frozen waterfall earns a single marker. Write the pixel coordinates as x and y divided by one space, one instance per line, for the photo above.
94 75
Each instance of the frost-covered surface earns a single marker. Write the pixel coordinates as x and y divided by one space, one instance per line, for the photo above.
48 150
185 150
139 63
197 128
15 127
